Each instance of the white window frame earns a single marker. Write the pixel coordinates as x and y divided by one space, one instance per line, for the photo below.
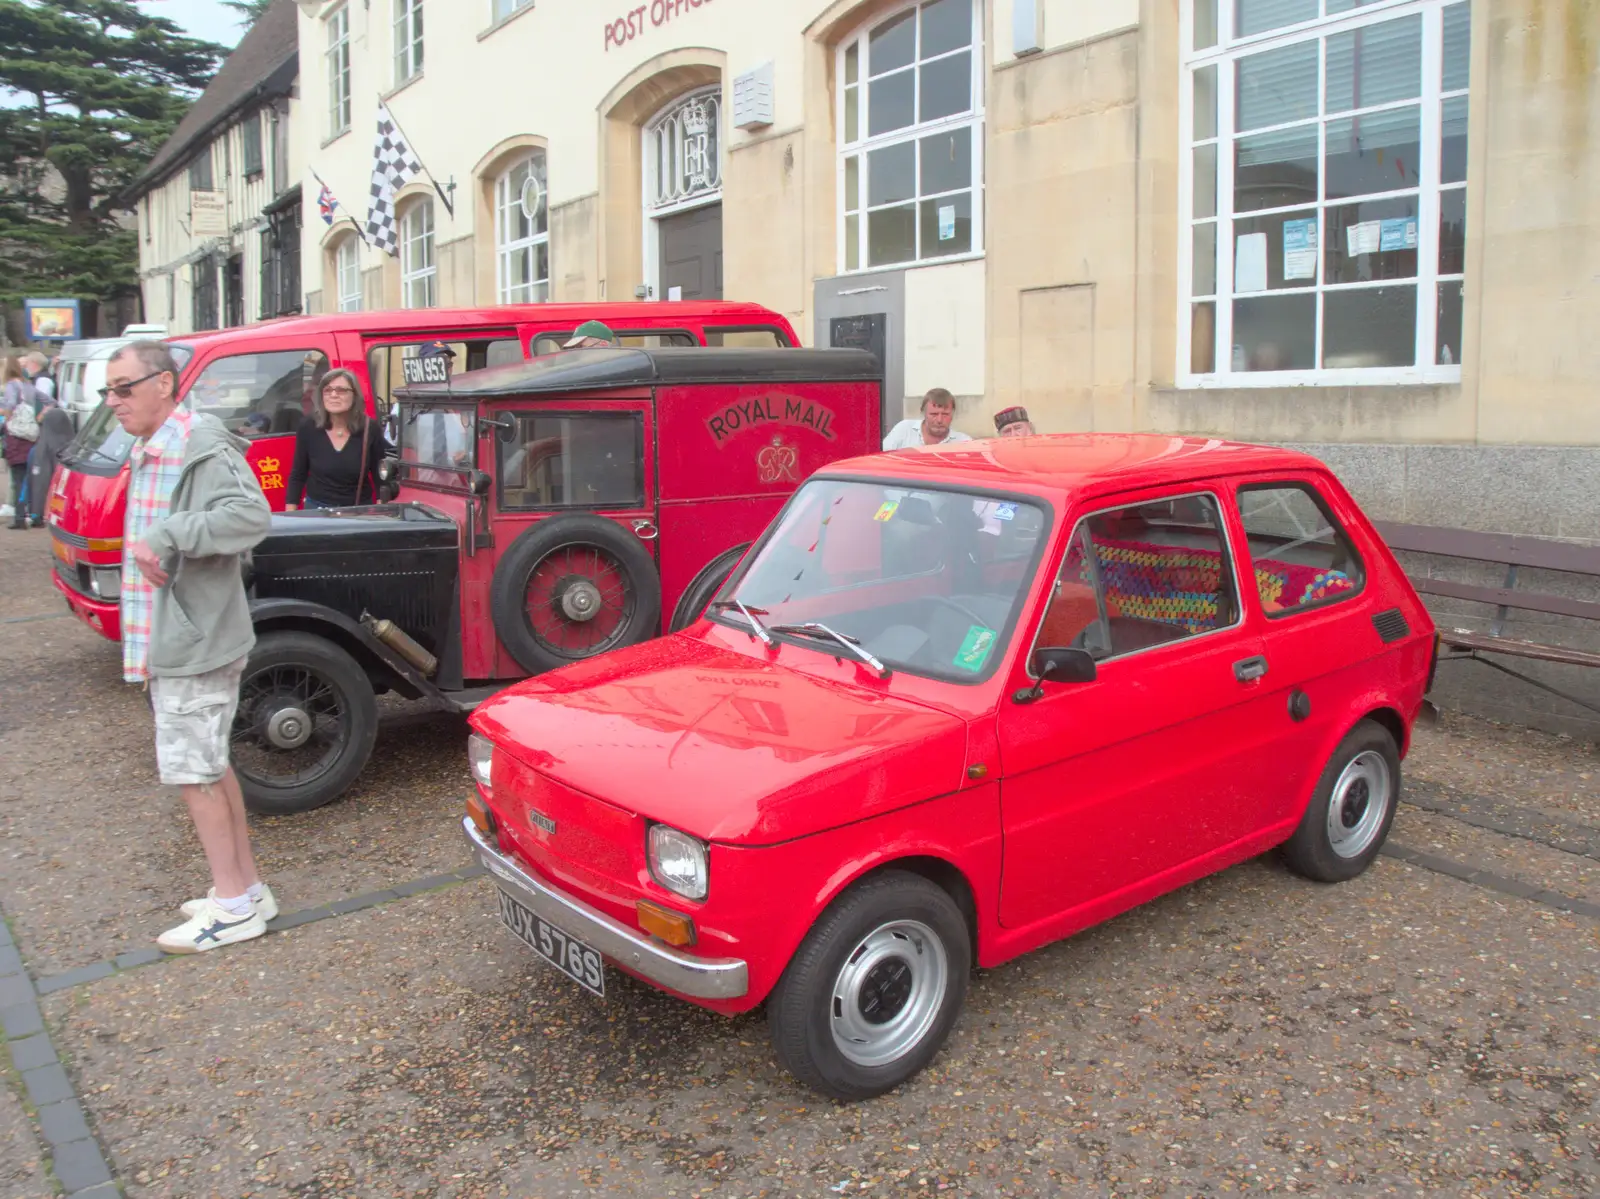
347 274
419 262
654 209
407 29
338 60
1224 55
851 147
506 207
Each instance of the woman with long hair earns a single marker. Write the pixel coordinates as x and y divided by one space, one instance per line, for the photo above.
336 451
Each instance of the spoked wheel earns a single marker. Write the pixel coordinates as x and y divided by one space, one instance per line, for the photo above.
571 587
579 601
1349 815
306 724
873 990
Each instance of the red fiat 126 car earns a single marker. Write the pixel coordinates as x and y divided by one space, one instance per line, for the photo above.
957 703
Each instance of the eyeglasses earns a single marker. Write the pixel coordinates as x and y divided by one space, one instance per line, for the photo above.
337 390
123 390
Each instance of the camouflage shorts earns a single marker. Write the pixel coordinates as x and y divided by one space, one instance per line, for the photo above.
194 717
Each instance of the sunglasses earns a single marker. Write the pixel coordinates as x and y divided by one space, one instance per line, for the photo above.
124 390
337 390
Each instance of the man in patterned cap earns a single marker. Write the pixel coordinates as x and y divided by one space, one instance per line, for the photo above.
1013 422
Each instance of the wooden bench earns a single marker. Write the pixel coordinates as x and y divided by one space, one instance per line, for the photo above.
1515 553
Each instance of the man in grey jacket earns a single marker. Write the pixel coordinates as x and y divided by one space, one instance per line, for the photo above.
195 510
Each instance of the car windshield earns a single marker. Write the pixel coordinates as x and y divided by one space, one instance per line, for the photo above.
102 445
437 443
925 581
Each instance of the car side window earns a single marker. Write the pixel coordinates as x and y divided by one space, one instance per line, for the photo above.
588 460
628 339
386 363
762 338
262 394
1299 555
1142 576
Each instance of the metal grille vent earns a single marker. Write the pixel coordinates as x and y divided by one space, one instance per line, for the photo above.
1391 625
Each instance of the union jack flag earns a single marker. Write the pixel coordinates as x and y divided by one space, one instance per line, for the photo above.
326 201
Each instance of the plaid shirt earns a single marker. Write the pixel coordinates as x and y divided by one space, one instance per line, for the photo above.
157 463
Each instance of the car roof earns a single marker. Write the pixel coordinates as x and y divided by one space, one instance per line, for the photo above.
602 369
1077 463
665 314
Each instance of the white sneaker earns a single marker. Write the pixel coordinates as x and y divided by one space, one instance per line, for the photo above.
265 904
210 928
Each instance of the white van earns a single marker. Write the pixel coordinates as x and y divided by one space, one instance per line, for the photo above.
82 371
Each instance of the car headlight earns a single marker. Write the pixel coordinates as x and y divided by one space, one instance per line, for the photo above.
106 582
678 862
480 753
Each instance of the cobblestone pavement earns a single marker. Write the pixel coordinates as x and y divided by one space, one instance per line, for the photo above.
1432 1028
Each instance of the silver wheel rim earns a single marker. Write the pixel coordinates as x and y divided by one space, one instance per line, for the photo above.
888 993
1359 804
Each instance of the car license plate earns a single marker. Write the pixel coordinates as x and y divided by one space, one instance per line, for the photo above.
566 953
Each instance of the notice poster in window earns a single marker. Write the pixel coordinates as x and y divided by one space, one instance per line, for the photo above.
1250 263
947 222
1364 238
1300 249
1398 234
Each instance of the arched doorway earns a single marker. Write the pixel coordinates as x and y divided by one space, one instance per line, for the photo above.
682 158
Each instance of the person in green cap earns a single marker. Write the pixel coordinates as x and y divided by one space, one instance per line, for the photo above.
590 334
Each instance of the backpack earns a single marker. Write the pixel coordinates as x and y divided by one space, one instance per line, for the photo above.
22 422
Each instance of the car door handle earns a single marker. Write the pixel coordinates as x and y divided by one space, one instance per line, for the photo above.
1248 670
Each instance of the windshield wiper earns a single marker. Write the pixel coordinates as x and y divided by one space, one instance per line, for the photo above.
853 644
749 614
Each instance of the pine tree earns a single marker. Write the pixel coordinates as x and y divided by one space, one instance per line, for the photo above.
250 10
99 86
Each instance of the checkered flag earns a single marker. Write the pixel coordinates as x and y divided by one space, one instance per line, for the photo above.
393 166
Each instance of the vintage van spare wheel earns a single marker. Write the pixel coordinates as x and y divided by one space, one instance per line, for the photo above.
306 724
572 587
705 585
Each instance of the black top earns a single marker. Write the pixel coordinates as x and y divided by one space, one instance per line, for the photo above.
573 370
329 476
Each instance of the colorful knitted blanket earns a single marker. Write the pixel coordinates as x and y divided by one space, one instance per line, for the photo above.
1179 586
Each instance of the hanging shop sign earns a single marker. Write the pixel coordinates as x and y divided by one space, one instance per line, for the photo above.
638 21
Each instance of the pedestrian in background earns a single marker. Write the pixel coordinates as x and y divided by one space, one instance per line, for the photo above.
55 434
933 428
37 366
195 509
1013 422
21 430
337 451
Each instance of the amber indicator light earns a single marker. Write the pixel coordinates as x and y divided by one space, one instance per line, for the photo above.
479 811
672 927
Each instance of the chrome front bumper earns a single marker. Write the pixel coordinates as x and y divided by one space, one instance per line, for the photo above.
701 978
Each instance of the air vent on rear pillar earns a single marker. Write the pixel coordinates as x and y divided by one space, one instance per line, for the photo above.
1391 625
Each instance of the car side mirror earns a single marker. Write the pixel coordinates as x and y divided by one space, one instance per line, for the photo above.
1063 664
482 482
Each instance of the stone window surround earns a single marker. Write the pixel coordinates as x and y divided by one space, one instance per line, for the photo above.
1223 55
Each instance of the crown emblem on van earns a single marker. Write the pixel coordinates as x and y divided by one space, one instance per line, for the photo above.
265 465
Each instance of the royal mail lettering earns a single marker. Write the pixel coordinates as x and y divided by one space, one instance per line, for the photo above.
771 410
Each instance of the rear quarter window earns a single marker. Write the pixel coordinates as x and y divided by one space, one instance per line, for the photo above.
1301 557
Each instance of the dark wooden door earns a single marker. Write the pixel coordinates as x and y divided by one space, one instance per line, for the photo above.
691 254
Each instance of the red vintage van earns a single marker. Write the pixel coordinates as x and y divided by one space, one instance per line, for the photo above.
259 379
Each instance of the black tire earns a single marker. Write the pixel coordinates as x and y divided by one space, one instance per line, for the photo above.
288 672
589 542
802 1013
1363 773
705 585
